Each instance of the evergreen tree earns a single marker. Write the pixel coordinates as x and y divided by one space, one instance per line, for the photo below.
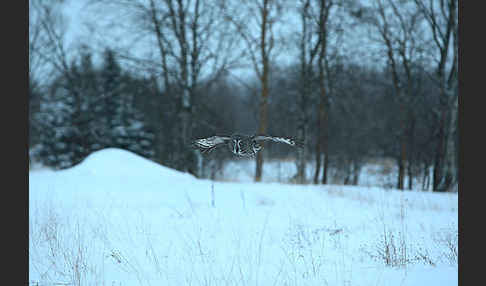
126 126
88 109
60 142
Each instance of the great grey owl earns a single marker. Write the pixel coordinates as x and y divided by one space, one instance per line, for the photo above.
241 145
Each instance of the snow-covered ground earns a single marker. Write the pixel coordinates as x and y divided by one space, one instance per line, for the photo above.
119 219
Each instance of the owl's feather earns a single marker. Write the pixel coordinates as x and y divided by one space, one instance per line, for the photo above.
208 144
289 141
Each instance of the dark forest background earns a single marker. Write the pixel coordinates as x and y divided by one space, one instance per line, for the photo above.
396 99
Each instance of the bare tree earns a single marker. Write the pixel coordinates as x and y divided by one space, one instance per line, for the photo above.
257 30
308 47
37 39
192 48
442 21
48 40
397 27
321 30
324 11
49 54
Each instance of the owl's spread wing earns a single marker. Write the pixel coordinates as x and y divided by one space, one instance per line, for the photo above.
208 144
289 141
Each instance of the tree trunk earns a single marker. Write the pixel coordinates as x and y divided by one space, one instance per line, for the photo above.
301 162
356 171
262 123
301 132
262 130
318 154
323 102
401 171
325 146
410 174
347 172
301 129
189 164
262 127
426 177
321 121
440 151
448 173
402 160
411 149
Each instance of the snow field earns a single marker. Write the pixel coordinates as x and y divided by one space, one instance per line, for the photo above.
118 219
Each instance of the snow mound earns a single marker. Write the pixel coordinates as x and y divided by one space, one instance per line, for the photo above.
123 163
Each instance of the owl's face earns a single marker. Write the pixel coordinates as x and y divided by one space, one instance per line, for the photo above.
244 146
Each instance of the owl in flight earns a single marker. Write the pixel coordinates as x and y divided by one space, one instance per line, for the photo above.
241 145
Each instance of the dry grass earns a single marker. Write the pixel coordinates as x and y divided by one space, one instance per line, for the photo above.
60 249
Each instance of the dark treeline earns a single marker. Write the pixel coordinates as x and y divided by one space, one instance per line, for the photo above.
110 107
347 112
87 109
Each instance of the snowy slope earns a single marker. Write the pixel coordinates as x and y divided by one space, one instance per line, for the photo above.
119 219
